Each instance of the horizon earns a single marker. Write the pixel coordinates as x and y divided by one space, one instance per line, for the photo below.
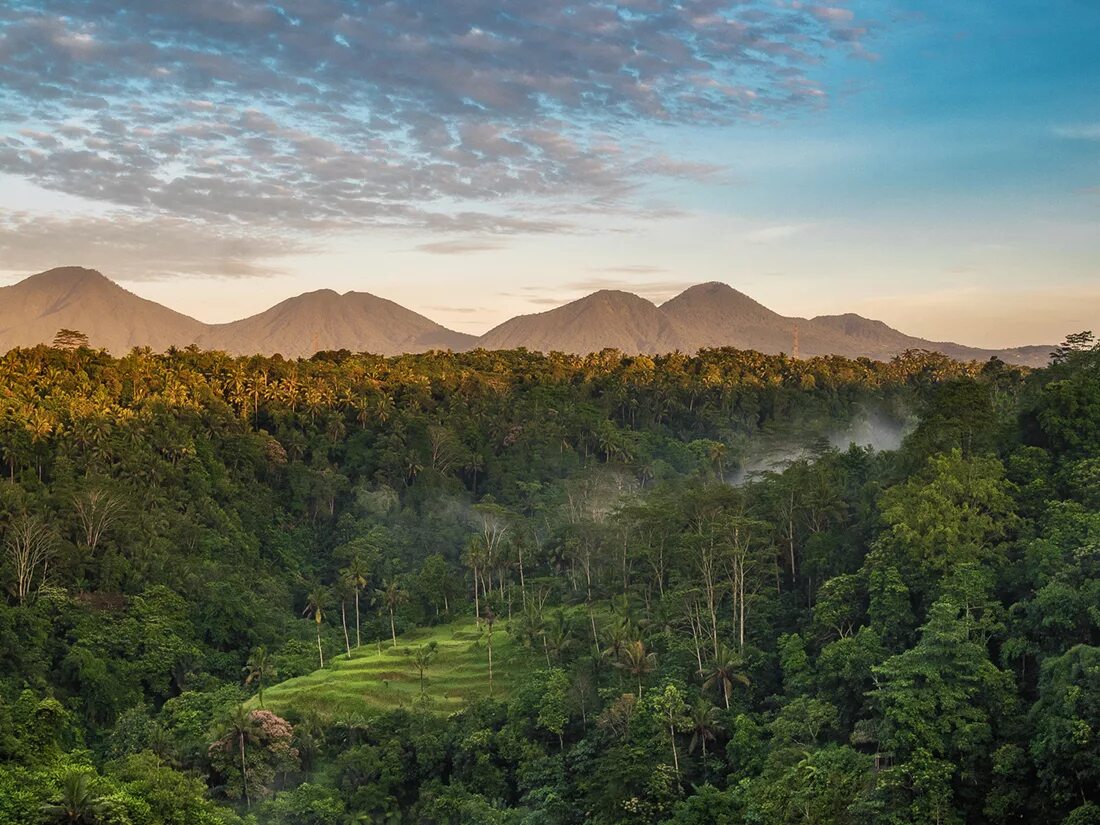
482 333
932 166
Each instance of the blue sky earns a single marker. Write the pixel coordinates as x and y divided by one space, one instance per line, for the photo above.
932 164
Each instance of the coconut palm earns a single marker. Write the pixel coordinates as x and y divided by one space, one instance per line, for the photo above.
725 671
239 726
260 666
636 661
316 603
704 724
357 574
557 637
78 803
424 656
392 596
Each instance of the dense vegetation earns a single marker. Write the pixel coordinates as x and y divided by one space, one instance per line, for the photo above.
707 607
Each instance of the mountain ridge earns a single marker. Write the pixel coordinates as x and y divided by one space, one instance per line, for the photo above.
706 315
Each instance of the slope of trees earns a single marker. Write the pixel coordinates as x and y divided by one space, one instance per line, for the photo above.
733 615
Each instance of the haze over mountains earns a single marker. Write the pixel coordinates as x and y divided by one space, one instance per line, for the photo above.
707 315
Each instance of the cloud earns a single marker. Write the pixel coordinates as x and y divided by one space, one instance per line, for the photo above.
630 269
334 115
133 248
1080 131
458 247
771 234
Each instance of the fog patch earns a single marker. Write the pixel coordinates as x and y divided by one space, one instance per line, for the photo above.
874 429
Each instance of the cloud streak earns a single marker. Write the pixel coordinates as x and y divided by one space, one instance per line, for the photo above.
449 116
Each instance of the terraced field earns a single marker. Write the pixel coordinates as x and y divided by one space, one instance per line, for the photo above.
383 677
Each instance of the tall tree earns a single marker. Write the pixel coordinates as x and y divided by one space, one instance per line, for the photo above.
316 604
259 668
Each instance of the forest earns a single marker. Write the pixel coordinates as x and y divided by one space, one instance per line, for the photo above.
516 589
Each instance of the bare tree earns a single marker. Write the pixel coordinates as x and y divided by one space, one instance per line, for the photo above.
96 509
30 546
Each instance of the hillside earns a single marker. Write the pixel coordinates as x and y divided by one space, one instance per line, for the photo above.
71 297
709 315
381 677
609 318
326 320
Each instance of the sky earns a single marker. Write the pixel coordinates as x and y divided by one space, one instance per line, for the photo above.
932 164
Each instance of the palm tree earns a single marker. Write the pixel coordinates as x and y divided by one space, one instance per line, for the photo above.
260 666
78 804
557 638
617 633
704 724
637 662
239 725
392 597
316 602
724 671
357 574
423 657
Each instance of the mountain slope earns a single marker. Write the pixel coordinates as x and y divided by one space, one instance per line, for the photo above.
708 315
604 319
71 297
326 320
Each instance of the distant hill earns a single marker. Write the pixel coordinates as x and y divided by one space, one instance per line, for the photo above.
326 320
608 318
71 297
703 316
716 315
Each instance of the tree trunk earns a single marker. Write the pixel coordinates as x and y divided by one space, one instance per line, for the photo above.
344 622
490 642
522 585
320 652
357 639
393 628
477 600
675 755
244 774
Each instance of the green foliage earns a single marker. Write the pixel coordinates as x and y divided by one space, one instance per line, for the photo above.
260 588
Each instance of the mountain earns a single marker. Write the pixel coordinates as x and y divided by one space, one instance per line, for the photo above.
326 320
703 316
71 297
717 315
607 318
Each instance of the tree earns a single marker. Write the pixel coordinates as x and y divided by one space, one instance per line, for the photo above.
704 723
70 339
316 603
553 712
637 661
357 575
490 620
97 509
724 672
1066 744
79 804
30 546
259 668
955 511
238 729
934 705
670 704
423 657
392 597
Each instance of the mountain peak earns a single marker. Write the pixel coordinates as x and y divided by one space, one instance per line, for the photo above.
67 277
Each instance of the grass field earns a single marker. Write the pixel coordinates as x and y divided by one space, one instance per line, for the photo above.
386 677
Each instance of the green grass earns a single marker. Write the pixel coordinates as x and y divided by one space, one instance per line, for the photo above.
385 678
